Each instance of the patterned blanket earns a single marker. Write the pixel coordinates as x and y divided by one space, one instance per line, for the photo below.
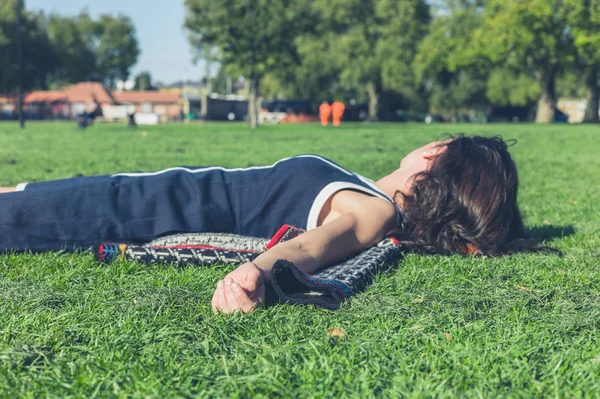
327 288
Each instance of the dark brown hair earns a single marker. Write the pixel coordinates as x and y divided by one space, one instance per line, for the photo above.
467 202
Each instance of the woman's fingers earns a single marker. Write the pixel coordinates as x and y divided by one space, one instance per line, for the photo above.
237 298
222 304
238 289
252 278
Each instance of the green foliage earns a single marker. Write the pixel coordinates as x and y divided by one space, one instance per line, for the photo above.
253 36
372 43
584 22
405 23
4 40
60 50
143 81
569 84
445 55
115 46
510 86
39 60
432 326
315 77
76 59
314 49
533 31
454 77
220 82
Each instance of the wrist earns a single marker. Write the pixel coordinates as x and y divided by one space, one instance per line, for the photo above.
264 271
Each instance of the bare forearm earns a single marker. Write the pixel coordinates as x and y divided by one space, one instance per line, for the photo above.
325 245
291 252
368 221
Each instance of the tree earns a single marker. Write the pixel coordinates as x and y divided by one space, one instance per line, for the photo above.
584 25
253 37
373 42
315 77
60 50
535 33
209 54
508 84
453 77
118 48
39 59
113 41
76 60
222 82
143 81
3 37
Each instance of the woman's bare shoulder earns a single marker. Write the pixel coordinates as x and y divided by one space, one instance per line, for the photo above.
378 210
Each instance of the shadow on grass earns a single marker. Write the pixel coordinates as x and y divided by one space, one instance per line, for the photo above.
549 232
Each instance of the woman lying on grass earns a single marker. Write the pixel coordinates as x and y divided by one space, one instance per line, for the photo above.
457 196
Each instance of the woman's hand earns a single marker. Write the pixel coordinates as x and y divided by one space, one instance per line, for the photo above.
364 221
242 290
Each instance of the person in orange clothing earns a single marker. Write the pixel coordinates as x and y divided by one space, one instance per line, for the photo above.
324 113
337 109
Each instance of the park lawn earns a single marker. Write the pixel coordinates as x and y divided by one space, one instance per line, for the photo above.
523 325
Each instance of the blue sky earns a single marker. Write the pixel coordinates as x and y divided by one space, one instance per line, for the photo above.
164 48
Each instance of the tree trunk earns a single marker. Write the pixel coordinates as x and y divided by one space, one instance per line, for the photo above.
547 101
252 104
592 96
373 92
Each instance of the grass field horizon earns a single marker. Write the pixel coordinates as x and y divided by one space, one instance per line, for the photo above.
526 325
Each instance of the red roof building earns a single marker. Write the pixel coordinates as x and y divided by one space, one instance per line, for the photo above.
71 102
44 97
167 105
155 97
81 92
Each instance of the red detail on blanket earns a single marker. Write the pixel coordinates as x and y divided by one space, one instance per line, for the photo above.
207 247
277 236
285 233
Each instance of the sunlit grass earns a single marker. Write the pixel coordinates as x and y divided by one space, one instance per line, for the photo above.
524 325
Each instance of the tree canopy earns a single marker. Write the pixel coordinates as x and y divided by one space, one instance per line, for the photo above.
445 56
143 81
583 18
39 59
254 37
60 50
450 57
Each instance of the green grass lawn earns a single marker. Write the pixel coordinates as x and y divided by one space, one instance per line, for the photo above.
517 326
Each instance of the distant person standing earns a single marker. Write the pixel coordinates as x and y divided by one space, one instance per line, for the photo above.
324 113
337 109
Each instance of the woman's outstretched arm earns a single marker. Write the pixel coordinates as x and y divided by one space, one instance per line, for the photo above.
363 222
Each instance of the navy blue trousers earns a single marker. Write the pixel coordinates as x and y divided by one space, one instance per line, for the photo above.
77 213
138 207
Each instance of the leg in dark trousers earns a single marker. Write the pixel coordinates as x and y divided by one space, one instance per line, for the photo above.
77 213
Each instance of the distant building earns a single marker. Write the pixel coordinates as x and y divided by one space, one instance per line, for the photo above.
67 103
71 102
8 107
190 100
167 105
